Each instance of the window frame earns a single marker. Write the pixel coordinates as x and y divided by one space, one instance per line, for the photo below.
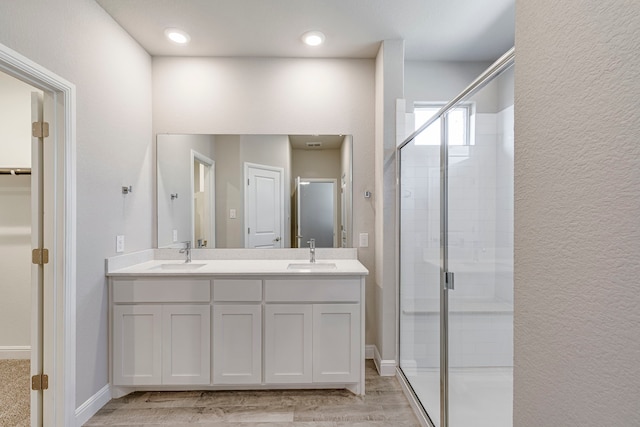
469 109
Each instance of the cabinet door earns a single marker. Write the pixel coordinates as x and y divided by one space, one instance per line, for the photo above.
336 343
137 344
288 343
186 344
237 344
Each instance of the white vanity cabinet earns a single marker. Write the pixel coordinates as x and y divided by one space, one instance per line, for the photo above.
273 329
336 343
288 340
237 331
161 332
319 341
137 344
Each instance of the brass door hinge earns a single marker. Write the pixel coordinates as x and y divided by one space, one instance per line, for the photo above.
40 129
40 256
40 382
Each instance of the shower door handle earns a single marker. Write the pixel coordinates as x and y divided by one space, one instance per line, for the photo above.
448 280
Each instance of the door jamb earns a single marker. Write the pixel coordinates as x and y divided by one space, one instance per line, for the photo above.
62 309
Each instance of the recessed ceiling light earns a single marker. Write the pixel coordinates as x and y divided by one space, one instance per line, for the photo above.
313 38
177 36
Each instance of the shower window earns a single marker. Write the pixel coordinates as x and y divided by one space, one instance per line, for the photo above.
460 127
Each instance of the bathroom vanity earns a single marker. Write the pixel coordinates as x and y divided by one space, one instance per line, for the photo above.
236 323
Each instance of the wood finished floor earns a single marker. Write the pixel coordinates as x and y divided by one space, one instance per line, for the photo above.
383 405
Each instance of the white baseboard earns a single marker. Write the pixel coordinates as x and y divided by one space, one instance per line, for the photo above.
89 408
15 352
386 368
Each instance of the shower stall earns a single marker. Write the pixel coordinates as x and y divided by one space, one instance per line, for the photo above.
456 256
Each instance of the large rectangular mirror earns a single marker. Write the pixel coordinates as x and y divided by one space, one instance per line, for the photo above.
254 191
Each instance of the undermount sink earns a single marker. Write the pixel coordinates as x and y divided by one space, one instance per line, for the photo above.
309 266
181 266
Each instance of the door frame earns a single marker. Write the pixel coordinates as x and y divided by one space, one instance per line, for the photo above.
59 305
245 177
211 196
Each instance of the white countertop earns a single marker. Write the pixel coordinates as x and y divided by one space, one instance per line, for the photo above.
244 267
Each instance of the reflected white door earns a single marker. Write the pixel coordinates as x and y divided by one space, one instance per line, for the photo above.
264 206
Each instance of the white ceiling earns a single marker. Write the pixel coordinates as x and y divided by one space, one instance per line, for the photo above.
436 30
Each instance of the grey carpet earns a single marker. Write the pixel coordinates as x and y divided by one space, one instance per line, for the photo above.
14 393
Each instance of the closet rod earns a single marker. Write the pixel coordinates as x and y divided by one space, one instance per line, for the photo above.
15 171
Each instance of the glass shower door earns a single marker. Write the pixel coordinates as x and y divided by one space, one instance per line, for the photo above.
420 269
456 257
480 254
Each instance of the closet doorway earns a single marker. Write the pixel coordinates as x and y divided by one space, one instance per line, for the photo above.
20 230
51 311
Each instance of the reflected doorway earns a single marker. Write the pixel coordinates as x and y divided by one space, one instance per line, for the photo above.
316 212
203 207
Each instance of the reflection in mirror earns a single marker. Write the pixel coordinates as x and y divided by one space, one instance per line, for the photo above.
254 191
316 216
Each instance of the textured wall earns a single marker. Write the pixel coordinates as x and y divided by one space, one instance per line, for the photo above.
577 210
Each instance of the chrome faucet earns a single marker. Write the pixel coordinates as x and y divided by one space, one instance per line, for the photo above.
187 251
312 250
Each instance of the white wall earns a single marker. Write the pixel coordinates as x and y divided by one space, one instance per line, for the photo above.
577 210
276 96
77 40
15 122
389 88
15 261
438 81
229 193
316 164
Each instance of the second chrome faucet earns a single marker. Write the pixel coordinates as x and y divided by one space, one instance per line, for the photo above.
187 251
312 250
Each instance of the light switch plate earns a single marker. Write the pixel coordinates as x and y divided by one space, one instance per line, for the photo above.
119 243
175 236
364 240
232 213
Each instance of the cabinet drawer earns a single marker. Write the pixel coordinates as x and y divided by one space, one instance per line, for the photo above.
237 290
312 290
178 290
